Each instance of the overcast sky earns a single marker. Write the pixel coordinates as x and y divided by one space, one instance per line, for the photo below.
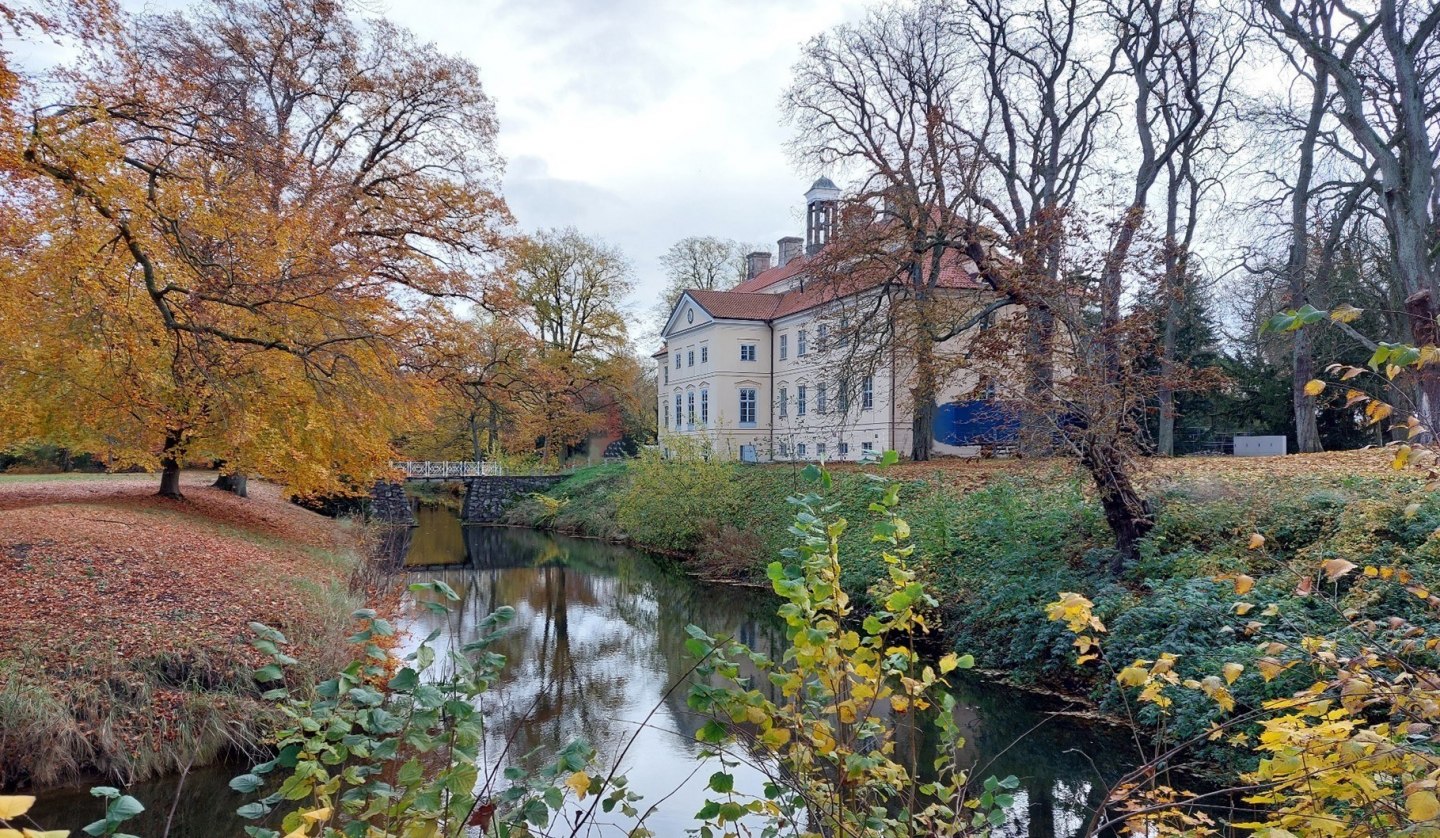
639 121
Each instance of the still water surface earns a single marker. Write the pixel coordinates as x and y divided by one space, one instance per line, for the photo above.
597 644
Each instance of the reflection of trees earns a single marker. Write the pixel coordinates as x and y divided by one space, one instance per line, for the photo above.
599 637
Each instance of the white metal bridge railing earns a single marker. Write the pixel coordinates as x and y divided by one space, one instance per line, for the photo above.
447 469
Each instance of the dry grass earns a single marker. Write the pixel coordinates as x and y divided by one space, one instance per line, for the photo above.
967 474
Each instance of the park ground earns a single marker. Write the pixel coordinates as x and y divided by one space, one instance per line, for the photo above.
124 638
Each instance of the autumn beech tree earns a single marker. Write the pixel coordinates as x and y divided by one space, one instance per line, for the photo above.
238 219
570 290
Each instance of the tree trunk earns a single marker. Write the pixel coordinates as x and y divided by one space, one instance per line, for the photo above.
170 467
235 483
1307 429
1420 309
475 450
1126 512
922 425
1307 432
1038 436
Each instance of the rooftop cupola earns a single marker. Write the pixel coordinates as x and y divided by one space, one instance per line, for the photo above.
821 205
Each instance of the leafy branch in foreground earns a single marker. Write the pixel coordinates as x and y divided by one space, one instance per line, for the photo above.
375 752
838 730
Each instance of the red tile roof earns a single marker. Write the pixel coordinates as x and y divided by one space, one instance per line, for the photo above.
747 301
737 305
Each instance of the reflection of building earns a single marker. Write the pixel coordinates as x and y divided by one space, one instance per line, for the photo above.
767 370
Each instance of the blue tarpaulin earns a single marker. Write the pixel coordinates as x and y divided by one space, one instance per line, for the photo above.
977 422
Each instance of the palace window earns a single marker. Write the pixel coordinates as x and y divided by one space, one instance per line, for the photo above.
824 337
820 450
705 407
677 359
747 351
679 422
844 339
800 404
820 403
667 414
667 373
844 449
842 395
867 447
747 405
690 358
800 450
784 347
690 409
801 344
867 393
784 403
704 354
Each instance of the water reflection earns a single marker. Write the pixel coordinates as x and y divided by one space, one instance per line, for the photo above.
598 643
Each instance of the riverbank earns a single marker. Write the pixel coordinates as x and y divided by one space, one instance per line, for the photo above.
124 643
998 540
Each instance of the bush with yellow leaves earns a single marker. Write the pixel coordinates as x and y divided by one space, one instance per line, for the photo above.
835 732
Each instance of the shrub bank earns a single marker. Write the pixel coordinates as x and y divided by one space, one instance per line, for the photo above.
996 553
124 645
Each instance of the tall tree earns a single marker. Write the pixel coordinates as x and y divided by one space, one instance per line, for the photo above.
245 210
571 290
877 98
1383 59
706 263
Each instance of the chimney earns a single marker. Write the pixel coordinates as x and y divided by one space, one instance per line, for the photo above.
756 263
789 248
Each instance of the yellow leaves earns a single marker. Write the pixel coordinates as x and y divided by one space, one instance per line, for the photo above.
1243 582
1216 691
775 737
1270 667
1422 806
1314 387
953 661
1402 457
1257 541
1075 611
318 815
1346 313
13 806
1376 412
1336 568
899 703
1354 397
579 782
1243 608
1133 676
1231 671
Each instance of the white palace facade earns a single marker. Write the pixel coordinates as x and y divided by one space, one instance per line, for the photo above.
757 373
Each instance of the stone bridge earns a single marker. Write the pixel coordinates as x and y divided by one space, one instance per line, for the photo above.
485 496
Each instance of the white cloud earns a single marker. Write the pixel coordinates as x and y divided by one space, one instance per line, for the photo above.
640 121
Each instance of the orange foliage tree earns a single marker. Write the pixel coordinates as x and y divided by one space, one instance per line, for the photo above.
229 233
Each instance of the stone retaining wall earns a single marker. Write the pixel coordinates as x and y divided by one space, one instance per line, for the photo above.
487 497
389 504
